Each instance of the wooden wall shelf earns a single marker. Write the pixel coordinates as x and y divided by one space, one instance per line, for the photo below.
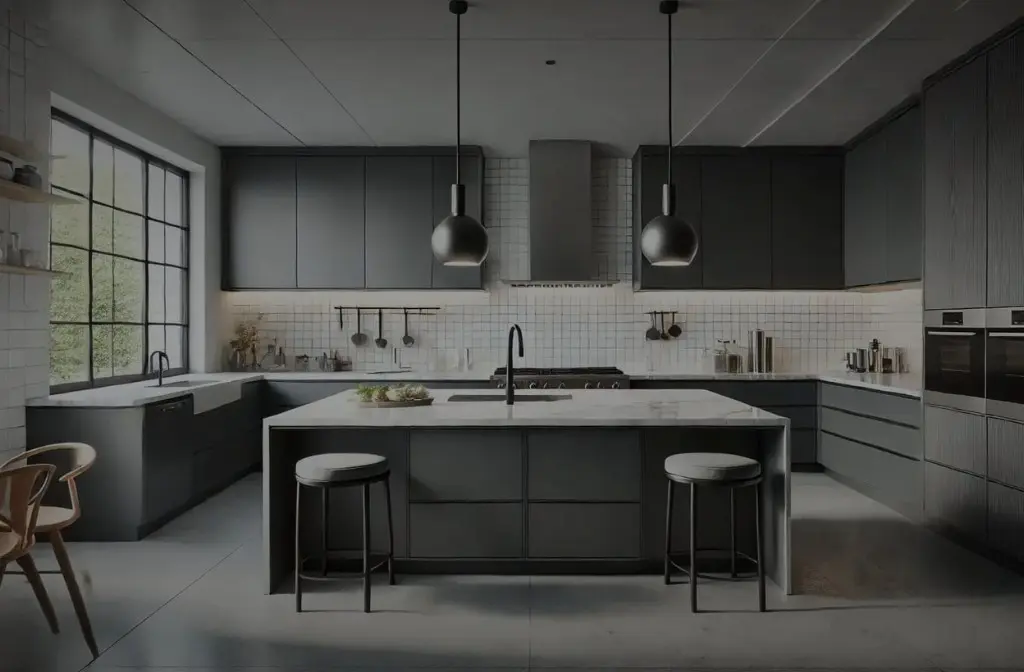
27 270
19 192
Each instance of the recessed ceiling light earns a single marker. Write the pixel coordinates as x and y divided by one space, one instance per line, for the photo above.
550 61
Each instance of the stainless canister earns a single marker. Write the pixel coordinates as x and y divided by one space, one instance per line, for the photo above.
769 354
755 351
862 360
899 360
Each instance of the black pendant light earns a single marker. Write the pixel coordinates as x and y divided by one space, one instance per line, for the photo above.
459 240
668 240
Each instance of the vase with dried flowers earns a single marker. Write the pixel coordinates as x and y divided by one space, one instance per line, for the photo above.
245 342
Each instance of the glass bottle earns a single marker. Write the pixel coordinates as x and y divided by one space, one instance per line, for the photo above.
13 255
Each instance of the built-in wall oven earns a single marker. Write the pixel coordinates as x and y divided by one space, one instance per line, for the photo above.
954 354
1004 362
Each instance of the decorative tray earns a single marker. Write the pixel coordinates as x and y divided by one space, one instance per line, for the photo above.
397 404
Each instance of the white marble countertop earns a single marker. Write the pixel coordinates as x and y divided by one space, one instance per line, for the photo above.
145 392
585 408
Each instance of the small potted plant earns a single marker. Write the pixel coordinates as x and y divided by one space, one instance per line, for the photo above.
245 343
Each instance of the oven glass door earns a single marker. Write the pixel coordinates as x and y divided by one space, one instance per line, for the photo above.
1006 365
955 361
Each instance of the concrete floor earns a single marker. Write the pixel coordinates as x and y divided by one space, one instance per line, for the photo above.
880 593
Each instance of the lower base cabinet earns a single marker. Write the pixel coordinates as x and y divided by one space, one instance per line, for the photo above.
577 530
891 479
475 530
955 501
1006 520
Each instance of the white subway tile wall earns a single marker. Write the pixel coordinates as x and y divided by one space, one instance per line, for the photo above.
24 300
581 326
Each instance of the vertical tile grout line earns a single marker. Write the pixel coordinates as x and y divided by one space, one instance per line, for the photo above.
168 601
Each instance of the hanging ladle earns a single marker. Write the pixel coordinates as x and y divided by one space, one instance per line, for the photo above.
675 331
653 334
380 340
407 340
359 338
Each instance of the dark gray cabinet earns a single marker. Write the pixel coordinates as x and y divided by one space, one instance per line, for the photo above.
465 465
864 203
329 222
167 446
956 193
565 530
584 465
259 248
736 221
1006 520
955 439
806 222
399 214
904 194
1006 173
455 277
955 501
478 530
650 170
1006 452
891 479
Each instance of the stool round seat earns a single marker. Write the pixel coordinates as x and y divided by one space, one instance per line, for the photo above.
711 467
340 467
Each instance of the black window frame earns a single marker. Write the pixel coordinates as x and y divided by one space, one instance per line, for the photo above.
147 159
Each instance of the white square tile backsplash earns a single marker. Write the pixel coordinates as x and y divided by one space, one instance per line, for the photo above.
583 326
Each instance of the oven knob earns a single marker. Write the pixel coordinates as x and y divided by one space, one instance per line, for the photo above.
533 385
615 386
561 386
587 386
501 385
546 386
515 386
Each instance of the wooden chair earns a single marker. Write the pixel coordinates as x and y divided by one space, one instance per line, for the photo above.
21 490
53 519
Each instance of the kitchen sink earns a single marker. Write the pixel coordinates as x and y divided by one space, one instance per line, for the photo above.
501 397
186 383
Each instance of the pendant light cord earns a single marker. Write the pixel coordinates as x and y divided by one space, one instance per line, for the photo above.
669 181
458 98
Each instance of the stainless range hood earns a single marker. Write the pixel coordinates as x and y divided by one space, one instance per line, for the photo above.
561 224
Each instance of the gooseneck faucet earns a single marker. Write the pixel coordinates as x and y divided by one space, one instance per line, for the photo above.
510 388
161 357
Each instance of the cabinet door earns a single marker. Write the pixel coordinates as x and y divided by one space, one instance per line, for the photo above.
1006 174
1006 520
955 439
261 223
956 195
329 221
1006 452
686 177
455 277
399 210
167 457
904 197
864 213
736 211
956 501
807 222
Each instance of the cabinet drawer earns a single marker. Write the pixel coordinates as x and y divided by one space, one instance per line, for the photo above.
300 394
1006 520
955 439
584 531
466 530
891 407
465 466
596 466
891 479
768 393
800 417
1006 452
895 438
956 501
803 446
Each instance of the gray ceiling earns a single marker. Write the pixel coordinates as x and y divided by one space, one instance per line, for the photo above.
370 72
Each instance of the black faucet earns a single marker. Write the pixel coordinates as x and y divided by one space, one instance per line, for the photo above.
510 387
161 357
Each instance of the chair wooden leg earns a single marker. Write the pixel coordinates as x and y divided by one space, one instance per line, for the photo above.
32 574
61 551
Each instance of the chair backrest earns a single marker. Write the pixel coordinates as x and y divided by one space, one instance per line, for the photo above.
21 490
78 459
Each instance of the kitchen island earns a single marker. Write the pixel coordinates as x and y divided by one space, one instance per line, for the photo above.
574 485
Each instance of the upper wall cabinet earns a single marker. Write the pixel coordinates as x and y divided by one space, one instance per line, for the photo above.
343 218
807 222
736 206
904 194
864 203
956 191
649 172
259 246
1006 173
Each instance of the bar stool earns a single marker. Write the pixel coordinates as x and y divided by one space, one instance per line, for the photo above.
721 470
341 470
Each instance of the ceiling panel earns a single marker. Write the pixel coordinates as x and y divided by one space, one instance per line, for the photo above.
273 78
787 72
855 96
845 19
527 19
942 20
204 19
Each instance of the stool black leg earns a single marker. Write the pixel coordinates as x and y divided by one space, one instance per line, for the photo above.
693 547
298 553
366 547
732 532
760 548
323 532
668 534
391 533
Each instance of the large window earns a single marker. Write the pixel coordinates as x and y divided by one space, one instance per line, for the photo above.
124 255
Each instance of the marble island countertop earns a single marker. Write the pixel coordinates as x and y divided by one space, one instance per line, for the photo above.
584 408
